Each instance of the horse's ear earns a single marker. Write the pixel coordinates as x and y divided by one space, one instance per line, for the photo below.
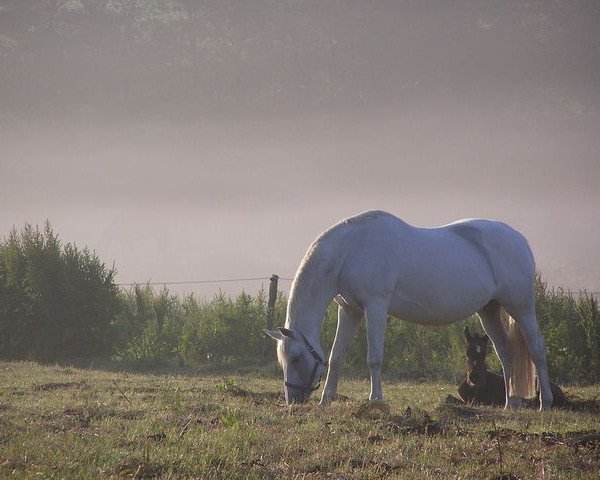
286 332
280 334
468 336
274 334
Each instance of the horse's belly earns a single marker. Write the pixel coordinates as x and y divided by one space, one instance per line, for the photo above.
434 313
441 290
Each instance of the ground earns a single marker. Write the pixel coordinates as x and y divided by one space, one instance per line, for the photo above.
64 422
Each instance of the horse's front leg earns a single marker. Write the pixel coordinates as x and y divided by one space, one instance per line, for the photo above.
347 326
376 315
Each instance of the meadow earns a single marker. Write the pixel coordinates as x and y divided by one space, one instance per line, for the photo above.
180 388
62 422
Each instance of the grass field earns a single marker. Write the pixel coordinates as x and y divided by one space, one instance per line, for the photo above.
63 422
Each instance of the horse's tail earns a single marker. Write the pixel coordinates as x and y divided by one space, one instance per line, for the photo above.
522 380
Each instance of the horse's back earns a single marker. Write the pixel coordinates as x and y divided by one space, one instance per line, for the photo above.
507 254
494 238
430 274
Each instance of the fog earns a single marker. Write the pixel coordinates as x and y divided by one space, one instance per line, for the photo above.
187 141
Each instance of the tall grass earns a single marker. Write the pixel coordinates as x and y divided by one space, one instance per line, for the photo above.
571 327
158 326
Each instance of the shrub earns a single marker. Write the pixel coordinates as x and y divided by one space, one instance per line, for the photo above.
147 325
55 301
223 330
571 328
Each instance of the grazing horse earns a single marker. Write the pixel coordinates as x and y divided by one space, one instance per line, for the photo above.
375 265
483 387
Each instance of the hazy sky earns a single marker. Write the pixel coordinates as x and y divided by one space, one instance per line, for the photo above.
277 120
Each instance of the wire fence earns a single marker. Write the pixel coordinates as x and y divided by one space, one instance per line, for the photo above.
203 282
578 293
573 293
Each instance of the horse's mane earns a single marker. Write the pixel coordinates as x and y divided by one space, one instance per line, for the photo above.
314 261
325 256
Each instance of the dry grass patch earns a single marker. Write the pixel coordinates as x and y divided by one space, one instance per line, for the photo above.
70 423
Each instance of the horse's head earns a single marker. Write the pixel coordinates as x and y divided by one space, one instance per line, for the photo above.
302 364
477 350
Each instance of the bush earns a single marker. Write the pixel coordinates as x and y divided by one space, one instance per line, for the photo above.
158 326
147 325
571 329
224 329
56 301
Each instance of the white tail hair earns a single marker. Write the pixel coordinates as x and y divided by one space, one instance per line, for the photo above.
523 377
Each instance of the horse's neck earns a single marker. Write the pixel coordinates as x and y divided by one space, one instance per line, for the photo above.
315 284
306 312
312 292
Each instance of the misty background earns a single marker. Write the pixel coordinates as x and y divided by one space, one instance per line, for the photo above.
199 140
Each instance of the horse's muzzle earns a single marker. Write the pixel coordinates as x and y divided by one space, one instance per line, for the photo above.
299 393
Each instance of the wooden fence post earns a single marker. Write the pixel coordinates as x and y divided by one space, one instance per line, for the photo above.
271 310
272 300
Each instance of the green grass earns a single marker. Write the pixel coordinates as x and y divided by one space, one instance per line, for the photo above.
58 422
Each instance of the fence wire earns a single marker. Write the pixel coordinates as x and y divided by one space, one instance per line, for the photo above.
199 282
571 293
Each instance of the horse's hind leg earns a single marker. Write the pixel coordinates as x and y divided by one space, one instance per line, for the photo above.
347 326
492 324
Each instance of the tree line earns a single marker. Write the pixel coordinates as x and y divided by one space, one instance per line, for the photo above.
59 303
146 57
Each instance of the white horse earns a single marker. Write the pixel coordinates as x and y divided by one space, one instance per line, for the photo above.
376 265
